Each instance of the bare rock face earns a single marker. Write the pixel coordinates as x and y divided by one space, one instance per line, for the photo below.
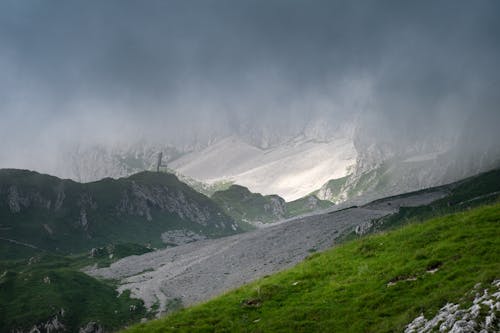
312 202
91 327
14 200
180 237
18 200
140 199
276 206
97 213
86 203
53 325
59 199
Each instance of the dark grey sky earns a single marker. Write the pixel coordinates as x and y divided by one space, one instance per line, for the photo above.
114 70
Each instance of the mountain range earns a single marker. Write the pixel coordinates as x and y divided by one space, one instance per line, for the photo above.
336 164
41 212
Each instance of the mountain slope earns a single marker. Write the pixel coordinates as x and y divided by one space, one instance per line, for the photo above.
291 170
44 212
194 272
377 284
245 206
48 294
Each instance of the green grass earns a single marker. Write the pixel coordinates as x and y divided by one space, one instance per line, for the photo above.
113 212
466 194
345 289
305 205
32 292
245 206
335 187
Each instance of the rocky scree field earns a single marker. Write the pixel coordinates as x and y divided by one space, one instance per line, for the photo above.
379 283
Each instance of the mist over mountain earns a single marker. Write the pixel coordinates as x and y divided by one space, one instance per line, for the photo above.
155 154
86 85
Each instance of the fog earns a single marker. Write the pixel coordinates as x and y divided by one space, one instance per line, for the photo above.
107 72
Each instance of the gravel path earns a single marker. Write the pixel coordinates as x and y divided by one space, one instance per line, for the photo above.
198 271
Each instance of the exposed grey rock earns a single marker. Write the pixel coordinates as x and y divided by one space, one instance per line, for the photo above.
86 203
396 203
180 237
198 271
91 327
481 316
277 206
53 325
83 219
18 200
60 199
139 199
312 202
13 199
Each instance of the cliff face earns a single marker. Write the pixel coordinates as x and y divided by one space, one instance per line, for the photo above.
388 170
55 214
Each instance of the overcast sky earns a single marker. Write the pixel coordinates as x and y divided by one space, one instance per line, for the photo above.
101 71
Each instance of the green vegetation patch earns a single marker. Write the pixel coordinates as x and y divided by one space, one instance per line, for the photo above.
41 212
469 193
306 205
376 284
245 206
334 188
42 288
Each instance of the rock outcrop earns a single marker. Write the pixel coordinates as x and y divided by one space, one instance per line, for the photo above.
77 217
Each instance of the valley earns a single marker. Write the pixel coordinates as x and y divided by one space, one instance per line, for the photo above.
249 166
194 273
190 268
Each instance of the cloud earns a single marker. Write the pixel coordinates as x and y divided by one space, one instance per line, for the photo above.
174 70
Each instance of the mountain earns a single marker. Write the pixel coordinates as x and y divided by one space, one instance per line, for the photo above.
41 212
243 205
434 265
290 166
47 292
398 164
88 163
292 169
439 275
195 272
305 205
405 173
346 162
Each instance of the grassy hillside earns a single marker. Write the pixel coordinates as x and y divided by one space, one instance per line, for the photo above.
36 291
466 194
306 205
41 212
332 189
245 206
379 283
